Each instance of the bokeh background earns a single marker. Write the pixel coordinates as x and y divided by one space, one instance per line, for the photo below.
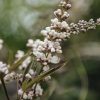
23 19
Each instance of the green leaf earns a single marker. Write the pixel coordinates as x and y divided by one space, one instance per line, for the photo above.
16 65
26 85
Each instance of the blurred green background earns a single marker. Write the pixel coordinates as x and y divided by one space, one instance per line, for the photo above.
80 79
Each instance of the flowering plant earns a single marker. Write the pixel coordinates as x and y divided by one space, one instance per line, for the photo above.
30 69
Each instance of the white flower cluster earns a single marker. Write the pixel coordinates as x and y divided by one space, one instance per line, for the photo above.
10 77
19 54
82 26
46 52
25 63
30 74
43 51
3 68
36 90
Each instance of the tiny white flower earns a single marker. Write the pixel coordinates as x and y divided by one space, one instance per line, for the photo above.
30 43
39 55
69 5
39 90
44 32
55 21
31 72
62 3
25 96
7 78
26 62
54 59
19 54
48 29
64 25
3 68
53 50
58 12
28 76
20 92
46 68
65 15
12 75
